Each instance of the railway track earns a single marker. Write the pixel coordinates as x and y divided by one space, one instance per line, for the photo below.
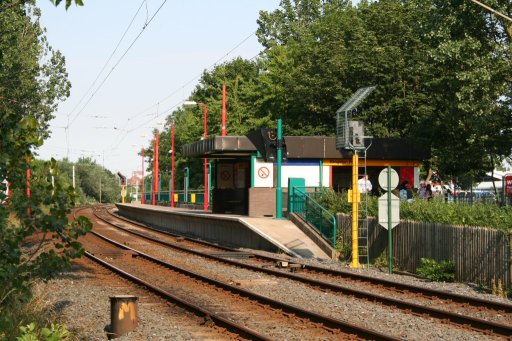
454 306
231 307
322 278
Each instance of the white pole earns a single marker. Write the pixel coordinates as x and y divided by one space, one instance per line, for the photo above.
74 176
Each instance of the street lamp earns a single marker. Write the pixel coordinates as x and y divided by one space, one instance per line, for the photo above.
205 164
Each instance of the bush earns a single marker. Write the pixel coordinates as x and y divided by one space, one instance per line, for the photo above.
54 332
437 272
435 211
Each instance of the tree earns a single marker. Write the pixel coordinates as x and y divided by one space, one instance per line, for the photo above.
93 179
441 70
33 80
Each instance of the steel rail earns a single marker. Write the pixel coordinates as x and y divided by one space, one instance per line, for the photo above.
218 320
458 319
326 321
474 301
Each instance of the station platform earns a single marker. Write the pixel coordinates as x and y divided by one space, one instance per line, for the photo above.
267 234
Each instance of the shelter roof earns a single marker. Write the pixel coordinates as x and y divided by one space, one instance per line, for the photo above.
304 147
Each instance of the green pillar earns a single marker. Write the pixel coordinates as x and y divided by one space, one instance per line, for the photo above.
321 175
253 162
279 190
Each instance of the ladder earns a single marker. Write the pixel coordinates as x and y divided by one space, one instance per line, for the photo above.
363 247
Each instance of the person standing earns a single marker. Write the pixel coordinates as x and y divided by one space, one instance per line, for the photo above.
365 185
422 191
428 192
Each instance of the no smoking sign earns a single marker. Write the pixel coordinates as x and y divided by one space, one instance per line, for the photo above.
263 172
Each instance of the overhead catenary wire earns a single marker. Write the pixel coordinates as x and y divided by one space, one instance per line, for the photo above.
117 63
125 131
109 59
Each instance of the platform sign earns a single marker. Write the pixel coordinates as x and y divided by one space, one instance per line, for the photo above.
263 173
383 179
508 185
383 210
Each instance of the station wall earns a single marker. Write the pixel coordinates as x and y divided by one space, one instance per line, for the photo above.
265 173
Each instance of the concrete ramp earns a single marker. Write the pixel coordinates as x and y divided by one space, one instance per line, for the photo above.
267 234
287 235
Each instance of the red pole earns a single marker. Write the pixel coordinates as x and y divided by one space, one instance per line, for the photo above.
205 170
142 189
172 165
223 109
155 168
28 186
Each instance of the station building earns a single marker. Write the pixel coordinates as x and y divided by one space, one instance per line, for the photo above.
244 180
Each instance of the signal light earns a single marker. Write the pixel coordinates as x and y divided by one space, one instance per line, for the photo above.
123 178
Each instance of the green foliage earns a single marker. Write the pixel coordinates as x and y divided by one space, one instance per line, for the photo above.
90 177
337 202
441 70
36 238
381 261
54 332
68 3
438 272
344 248
435 211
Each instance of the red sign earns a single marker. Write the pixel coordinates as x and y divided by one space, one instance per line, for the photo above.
508 185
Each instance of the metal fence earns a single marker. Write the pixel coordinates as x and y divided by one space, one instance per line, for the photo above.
313 213
480 255
191 197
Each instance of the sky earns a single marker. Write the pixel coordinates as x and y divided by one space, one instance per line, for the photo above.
110 115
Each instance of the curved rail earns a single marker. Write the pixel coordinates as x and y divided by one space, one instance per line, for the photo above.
218 320
456 318
474 301
326 321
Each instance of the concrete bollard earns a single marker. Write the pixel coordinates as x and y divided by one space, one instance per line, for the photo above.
123 315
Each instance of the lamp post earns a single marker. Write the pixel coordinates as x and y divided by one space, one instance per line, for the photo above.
205 163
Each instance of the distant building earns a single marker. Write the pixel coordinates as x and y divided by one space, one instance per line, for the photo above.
135 179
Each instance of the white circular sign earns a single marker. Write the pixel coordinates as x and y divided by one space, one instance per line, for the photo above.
383 179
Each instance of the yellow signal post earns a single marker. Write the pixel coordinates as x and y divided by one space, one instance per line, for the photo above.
123 193
355 211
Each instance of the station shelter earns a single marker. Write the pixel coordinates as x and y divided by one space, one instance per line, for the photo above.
244 180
